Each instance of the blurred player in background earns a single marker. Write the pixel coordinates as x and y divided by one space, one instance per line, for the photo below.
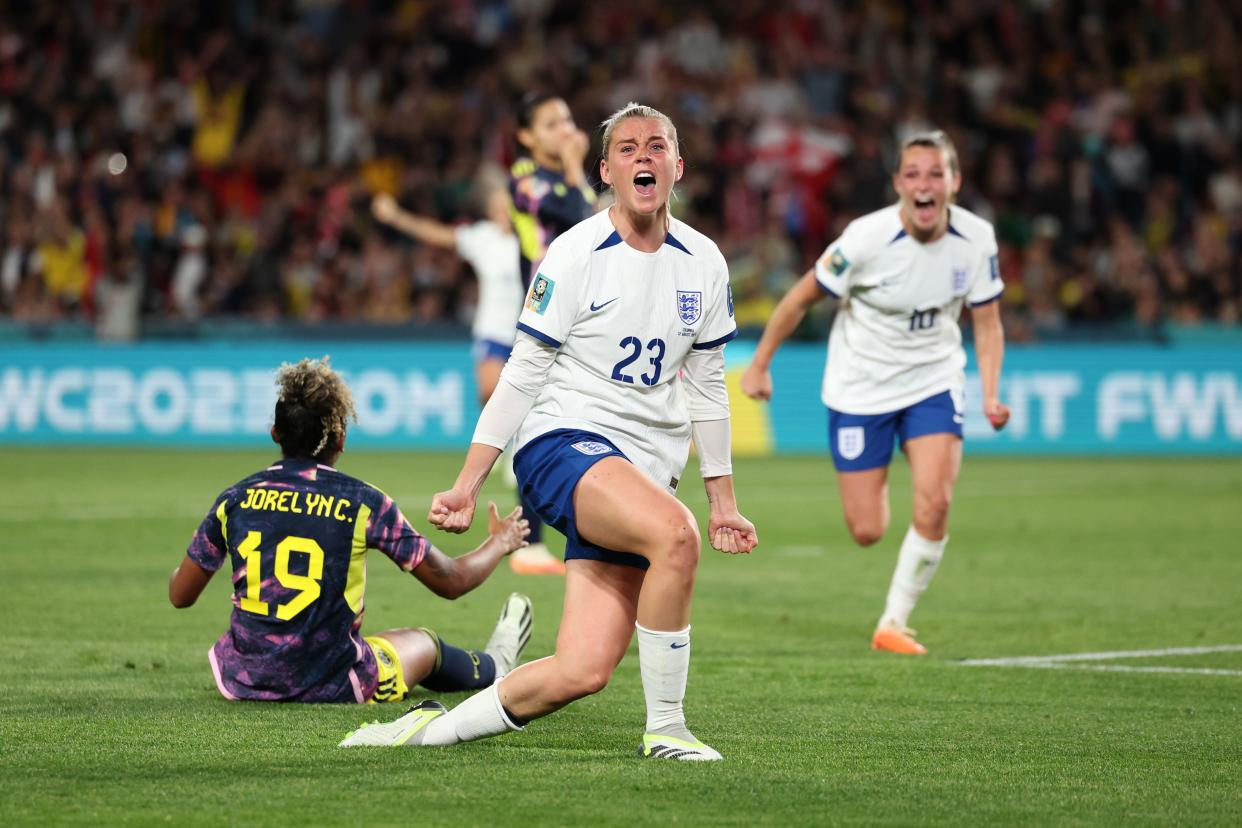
491 249
619 361
895 359
297 534
550 194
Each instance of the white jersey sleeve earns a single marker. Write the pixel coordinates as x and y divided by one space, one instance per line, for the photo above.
554 300
718 325
987 285
841 261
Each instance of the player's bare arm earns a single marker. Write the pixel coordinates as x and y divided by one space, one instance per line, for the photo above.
451 577
726 528
453 511
386 210
990 353
186 583
789 313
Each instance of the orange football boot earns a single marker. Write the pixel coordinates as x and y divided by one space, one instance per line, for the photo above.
893 639
536 560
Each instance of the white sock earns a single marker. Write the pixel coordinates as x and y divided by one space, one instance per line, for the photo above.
916 564
478 717
664 661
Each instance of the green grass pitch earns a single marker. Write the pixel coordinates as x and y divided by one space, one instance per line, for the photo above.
108 712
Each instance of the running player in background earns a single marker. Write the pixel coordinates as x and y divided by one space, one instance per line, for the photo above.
619 361
895 360
297 534
491 249
550 194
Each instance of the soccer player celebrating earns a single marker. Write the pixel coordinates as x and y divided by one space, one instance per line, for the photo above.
895 359
619 361
491 249
297 534
549 194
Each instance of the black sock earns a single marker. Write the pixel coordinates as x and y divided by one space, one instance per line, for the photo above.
461 670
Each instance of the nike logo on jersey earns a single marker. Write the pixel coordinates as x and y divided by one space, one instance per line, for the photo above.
595 307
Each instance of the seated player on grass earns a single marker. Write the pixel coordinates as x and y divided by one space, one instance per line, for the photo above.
297 534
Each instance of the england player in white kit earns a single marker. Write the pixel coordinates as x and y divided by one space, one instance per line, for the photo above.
895 367
491 248
618 364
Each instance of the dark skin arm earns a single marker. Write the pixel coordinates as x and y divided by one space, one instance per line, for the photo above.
187 583
451 577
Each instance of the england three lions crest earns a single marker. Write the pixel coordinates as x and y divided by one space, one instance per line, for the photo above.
959 279
689 305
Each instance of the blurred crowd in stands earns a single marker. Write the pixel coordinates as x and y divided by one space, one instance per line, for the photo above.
164 160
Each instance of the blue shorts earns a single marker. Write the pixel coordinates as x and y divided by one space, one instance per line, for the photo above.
485 349
865 441
548 469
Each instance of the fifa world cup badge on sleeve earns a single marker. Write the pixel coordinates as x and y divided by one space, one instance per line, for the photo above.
540 294
837 263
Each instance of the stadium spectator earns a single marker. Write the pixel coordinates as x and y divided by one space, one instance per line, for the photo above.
237 115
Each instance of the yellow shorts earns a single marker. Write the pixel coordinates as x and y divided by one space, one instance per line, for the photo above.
391 685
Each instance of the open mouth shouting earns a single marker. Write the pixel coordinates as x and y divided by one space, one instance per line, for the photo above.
645 183
925 208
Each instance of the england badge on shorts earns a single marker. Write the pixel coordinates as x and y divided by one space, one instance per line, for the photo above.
851 441
689 305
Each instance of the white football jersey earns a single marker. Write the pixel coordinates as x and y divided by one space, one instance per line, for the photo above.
623 321
493 254
895 340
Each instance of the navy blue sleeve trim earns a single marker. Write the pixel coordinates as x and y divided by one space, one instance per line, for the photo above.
827 290
986 301
707 346
542 337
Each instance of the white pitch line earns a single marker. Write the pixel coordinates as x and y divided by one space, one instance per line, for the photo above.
1127 668
1021 661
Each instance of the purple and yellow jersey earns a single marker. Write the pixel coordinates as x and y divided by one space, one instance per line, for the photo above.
544 206
297 533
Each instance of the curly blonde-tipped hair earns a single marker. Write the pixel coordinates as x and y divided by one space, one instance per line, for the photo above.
313 407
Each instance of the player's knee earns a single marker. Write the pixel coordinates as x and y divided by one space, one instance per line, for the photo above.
584 680
931 512
682 545
866 531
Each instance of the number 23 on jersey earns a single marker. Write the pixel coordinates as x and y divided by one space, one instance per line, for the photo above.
633 347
